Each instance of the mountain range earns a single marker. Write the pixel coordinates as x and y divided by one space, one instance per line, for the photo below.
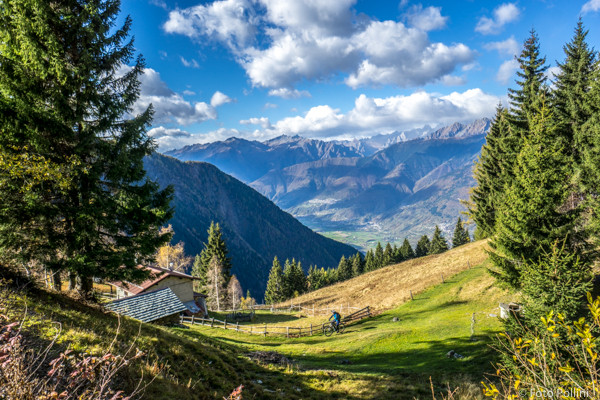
386 187
254 228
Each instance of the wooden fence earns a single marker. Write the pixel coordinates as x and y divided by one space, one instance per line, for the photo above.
265 329
307 310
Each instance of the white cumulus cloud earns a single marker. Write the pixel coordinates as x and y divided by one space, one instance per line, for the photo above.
507 71
262 121
427 19
287 93
372 115
503 14
282 42
508 47
219 98
590 6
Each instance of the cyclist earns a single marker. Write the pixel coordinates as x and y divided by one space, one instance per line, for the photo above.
336 320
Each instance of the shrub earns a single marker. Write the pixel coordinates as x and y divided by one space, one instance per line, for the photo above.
558 361
26 374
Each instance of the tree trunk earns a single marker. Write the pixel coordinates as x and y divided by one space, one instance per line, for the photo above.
56 281
72 281
85 286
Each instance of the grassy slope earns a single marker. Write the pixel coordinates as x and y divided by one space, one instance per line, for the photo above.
199 367
387 359
387 287
395 359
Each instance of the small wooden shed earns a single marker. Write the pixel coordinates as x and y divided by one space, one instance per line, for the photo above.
182 285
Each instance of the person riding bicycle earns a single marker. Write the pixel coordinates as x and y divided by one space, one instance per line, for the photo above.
336 319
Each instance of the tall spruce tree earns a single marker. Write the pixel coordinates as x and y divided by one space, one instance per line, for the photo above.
571 87
590 173
423 245
344 270
492 169
288 279
388 255
370 264
215 246
532 77
438 242
65 110
461 235
378 254
406 250
275 285
532 217
357 265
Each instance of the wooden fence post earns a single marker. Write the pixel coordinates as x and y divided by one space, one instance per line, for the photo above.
287 331
237 326
251 329
443 279
192 320
310 329
212 322
225 324
265 330
411 296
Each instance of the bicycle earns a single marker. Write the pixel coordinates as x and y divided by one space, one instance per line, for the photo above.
329 329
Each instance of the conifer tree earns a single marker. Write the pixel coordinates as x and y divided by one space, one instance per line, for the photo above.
492 169
406 250
532 74
215 246
65 117
298 278
531 218
558 281
288 279
370 264
422 246
275 285
378 256
344 270
388 255
461 235
357 265
572 85
438 242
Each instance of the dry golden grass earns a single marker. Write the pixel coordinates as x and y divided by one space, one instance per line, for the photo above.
388 287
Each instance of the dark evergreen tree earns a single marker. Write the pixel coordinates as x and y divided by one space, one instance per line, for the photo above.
388 255
558 281
275 285
357 265
315 278
344 270
572 85
406 250
532 218
298 278
217 247
378 256
422 246
65 120
370 264
532 74
461 235
491 171
288 279
438 242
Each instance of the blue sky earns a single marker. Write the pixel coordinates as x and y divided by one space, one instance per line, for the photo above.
335 69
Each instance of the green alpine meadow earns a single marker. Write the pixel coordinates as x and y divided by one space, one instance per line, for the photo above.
258 199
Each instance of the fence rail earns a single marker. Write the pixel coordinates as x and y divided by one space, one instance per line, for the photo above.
265 329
